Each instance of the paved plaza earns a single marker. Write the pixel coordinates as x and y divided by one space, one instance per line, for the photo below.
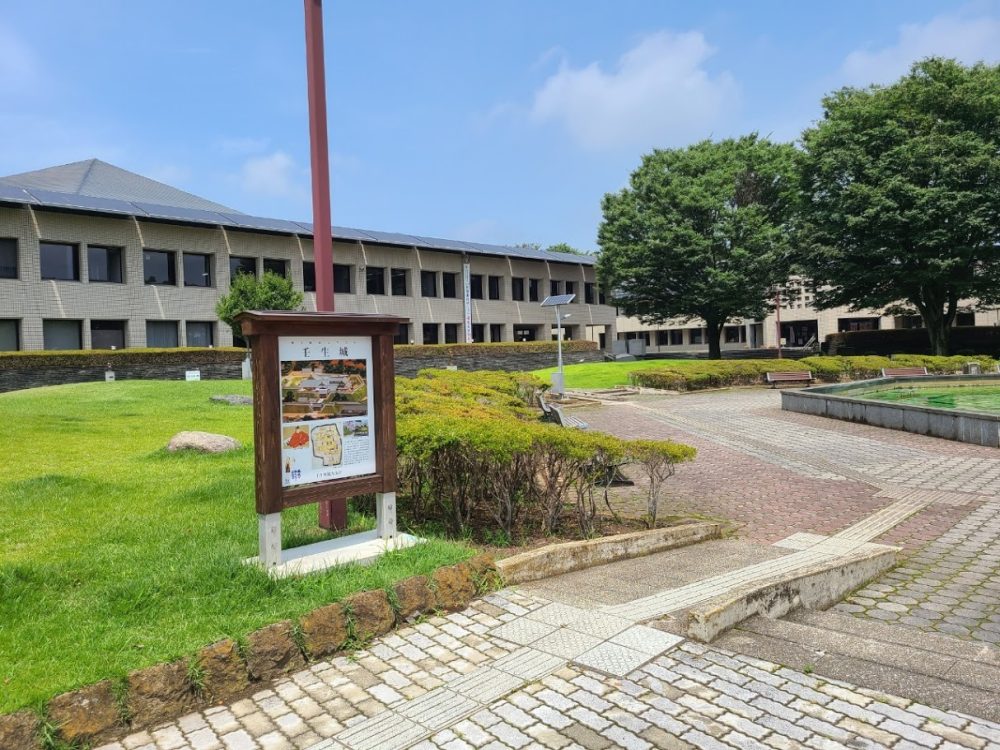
592 659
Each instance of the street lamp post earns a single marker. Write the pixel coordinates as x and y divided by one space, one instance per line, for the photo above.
559 378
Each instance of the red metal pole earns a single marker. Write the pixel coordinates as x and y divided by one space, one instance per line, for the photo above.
319 156
332 515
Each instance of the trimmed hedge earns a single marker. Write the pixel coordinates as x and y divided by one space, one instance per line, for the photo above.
474 457
84 358
968 339
526 347
700 374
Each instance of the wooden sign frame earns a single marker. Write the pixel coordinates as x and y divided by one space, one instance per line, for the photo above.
263 330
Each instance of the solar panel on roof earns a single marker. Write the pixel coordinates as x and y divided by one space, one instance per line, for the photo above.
194 215
16 194
245 221
395 238
84 202
347 233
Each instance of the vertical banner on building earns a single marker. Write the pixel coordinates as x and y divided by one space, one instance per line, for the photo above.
467 297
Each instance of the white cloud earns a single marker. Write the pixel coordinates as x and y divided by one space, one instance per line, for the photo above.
243 145
19 67
969 39
658 94
274 175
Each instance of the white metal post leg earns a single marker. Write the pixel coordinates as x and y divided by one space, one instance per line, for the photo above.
269 538
385 514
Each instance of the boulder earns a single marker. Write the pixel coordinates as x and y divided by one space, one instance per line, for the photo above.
371 613
232 400
454 586
223 673
273 651
206 442
160 692
486 576
85 714
413 595
325 630
20 730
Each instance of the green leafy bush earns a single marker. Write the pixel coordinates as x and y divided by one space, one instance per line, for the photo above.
474 456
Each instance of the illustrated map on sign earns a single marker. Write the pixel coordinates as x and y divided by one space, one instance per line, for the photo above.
326 389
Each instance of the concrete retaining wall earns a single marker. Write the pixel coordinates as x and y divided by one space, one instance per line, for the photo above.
554 559
836 402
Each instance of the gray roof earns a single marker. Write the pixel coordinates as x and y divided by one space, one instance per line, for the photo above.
98 179
97 187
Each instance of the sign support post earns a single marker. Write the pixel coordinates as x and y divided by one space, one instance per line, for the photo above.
324 429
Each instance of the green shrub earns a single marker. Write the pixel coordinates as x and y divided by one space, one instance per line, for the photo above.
191 356
474 457
417 351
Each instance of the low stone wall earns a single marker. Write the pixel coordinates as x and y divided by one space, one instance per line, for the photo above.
224 671
836 402
32 370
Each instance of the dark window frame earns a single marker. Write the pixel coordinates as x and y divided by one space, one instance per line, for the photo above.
17 333
164 323
207 257
451 333
436 327
496 332
79 331
534 290
428 279
236 263
397 275
308 276
265 261
449 279
209 326
108 250
14 249
588 292
342 272
74 248
478 333
476 286
172 274
109 325
494 286
517 288
375 276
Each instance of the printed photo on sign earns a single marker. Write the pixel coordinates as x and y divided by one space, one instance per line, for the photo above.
323 389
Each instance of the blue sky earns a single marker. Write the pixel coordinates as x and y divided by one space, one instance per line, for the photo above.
496 122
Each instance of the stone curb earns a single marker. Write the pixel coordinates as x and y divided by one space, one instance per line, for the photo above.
554 559
224 671
816 586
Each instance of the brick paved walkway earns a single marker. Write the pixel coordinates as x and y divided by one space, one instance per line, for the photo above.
522 672
777 473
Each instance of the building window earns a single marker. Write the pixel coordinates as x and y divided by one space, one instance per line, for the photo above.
676 338
276 266
588 292
158 267
197 269
238 265
62 334
857 324
571 288
524 333
554 287
10 335
600 296
107 334
428 284
342 275
734 334
430 333
161 334
308 276
375 280
517 289
696 336
494 287
965 319
909 321
59 261
8 259
104 264
398 279
662 338
478 333
496 332
451 333
402 334
476 286
449 285
200 333
533 289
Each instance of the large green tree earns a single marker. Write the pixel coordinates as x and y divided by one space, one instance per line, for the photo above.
901 194
246 292
701 231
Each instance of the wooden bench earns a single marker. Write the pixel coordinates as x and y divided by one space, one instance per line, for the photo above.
903 372
776 378
556 414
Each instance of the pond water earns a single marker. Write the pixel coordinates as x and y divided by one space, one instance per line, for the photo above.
982 398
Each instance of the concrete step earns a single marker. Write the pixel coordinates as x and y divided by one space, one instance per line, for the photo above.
937 670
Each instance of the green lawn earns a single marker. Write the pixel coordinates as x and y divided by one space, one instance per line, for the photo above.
604 374
115 554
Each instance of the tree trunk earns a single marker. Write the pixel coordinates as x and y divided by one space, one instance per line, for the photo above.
714 331
938 317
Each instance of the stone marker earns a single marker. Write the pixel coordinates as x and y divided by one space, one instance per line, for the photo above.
324 630
223 673
20 730
160 692
85 714
206 442
232 400
273 651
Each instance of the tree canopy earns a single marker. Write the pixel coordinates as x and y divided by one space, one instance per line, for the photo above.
563 247
701 231
246 292
901 194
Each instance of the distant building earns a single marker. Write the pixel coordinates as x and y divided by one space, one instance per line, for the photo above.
94 256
